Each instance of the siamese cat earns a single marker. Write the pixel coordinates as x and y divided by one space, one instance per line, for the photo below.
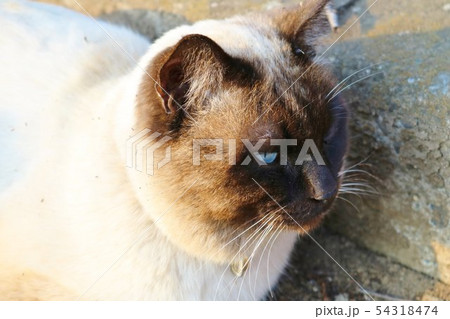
79 98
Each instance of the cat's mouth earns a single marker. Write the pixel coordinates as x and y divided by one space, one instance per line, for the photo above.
305 215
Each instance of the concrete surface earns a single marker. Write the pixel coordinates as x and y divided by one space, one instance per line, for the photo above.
401 130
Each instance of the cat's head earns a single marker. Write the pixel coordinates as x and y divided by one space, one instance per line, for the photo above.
221 87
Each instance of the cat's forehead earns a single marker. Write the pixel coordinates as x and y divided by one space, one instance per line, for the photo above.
250 39
257 42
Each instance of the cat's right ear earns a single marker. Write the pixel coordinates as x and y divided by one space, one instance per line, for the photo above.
192 54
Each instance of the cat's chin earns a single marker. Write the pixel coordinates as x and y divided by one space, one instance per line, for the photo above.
302 222
305 226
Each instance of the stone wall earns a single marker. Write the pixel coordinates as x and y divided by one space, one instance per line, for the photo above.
401 130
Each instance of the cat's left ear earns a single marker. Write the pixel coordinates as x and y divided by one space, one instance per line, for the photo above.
302 24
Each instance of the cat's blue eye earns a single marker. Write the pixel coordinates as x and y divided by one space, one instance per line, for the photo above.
267 157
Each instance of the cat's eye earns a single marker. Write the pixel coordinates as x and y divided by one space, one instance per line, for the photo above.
298 51
303 52
266 157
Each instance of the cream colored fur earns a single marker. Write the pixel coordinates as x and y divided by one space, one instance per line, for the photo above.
75 223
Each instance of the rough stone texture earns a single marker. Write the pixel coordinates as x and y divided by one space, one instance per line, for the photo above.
151 24
401 129
312 276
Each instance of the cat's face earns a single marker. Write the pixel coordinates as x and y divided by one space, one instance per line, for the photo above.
265 91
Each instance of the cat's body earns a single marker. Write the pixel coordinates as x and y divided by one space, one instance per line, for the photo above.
75 222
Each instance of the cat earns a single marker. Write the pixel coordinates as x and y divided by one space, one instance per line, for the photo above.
77 222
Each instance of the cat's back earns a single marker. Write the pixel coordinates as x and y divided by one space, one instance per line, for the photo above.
54 63
53 46
58 69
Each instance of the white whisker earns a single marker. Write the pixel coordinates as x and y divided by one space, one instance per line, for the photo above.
354 183
259 235
348 169
269 245
348 77
353 83
252 255
264 250
268 260
346 200
246 230
268 218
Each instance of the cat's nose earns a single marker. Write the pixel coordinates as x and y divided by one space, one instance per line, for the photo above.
321 196
322 184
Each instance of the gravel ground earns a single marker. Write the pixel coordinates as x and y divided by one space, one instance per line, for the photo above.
314 275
